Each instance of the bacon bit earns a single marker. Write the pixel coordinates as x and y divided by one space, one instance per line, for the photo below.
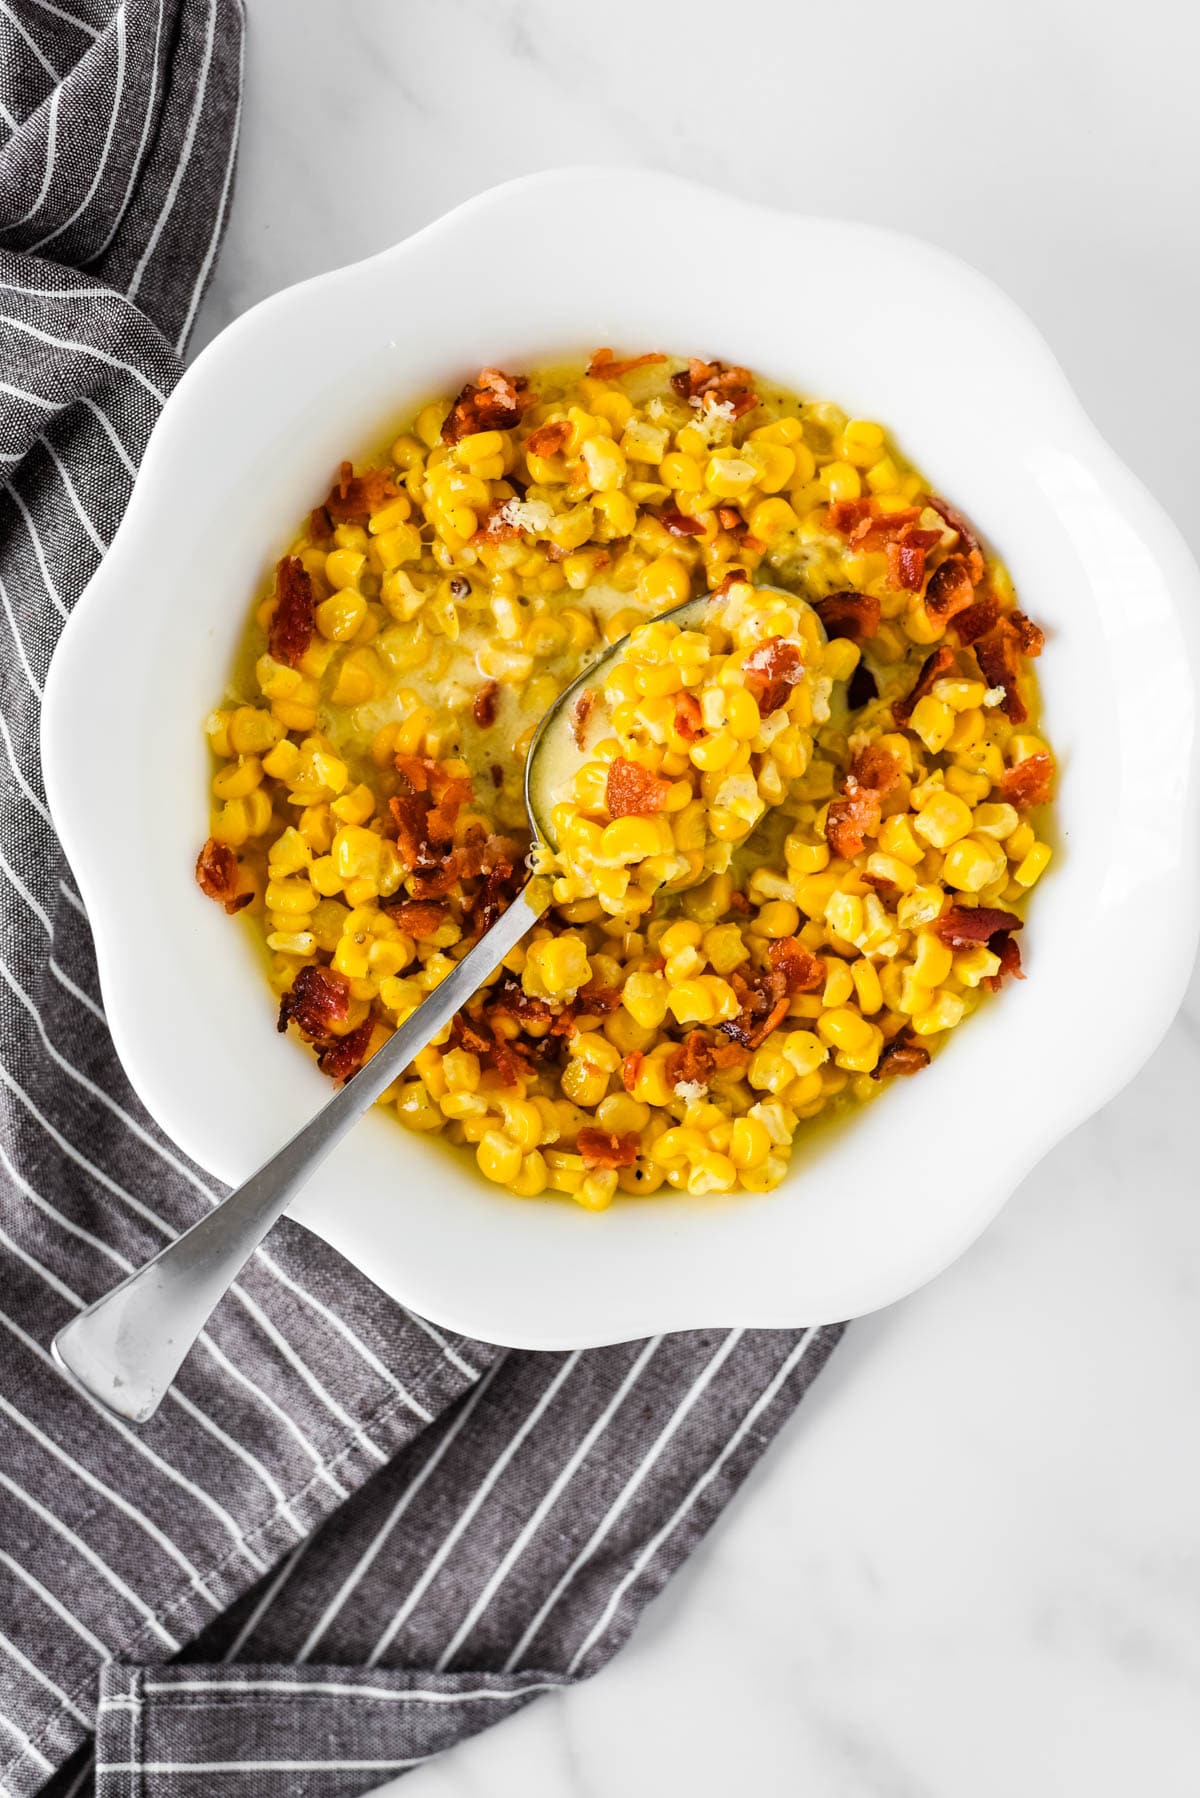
603 367
728 386
858 814
217 876
353 497
875 767
320 525
964 925
346 1054
494 403
901 1056
854 616
418 918
950 589
511 1060
512 1001
772 670
497 774
692 1062
679 524
604 1148
581 711
1009 951
293 621
734 577
1028 784
845 515
1031 636
631 1067
977 620
320 998
861 688
731 520
869 527
597 998
906 566
887 890
933 668
465 1034
425 818
500 884
956 521
632 791
797 967
548 439
738 902
999 658
483 709
688 717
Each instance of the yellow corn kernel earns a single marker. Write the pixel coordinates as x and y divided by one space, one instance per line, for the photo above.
357 679
772 519
749 1144
354 807
997 821
252 731
290 898
628 840
355 852
888 867
806 858
933 722
533 1177
845 1030
341 616
973 864
861 442
975 964
711 1172
556 967
665 582
944 1011
690 1003
583 1082
1033 866
839 983
681 473
499 1157
622 1113
844 916
238 778
943 819
840 480
804 1052
867 987
896 838
932 961
729 475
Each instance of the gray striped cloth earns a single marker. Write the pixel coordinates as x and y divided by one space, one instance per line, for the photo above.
348 1539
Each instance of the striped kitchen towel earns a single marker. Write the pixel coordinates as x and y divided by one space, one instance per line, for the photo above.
347 1539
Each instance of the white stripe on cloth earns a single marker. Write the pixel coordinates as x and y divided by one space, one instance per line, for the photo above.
184 157
25 1744
82 1548
118 96
642 1561
61 1611
78 345
70 18
550 1498
43 1679
254 1767
49 67
437 1561
368 1558
222 207
36 541
327 1688
703 1379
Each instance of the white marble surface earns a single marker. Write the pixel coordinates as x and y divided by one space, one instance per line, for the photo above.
972 1566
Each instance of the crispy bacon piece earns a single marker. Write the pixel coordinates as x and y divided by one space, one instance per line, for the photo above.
679 524
857 815
728 386
999 658
604 367
418 918
581 711
906 565
772 670
1028 784
345 1054
293 620
869 527
217 876
846 515
1009 951
496 526
631 1067
887 890
353 497
500 883
320 998
875 767
604 1148
977 620
533 1015
320 525
513 1061
688 716
483 707
632 791
425 817
692 1062
935 665
903 1055
950 589
493 403
852 615
1031 636
964 925
799 970
956 521
595 997
549 439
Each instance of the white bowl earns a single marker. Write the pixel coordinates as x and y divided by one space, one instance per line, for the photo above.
891 329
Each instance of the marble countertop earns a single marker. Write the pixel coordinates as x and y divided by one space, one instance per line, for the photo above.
972 1565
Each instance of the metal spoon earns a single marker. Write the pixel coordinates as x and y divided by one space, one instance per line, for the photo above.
127 1347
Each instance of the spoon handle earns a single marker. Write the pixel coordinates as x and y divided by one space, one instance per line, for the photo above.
127 1347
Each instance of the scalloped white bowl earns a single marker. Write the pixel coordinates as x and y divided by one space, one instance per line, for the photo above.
891 329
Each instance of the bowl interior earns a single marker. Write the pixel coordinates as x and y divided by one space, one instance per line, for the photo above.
888 329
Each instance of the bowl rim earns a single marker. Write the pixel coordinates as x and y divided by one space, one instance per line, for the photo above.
144 1065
